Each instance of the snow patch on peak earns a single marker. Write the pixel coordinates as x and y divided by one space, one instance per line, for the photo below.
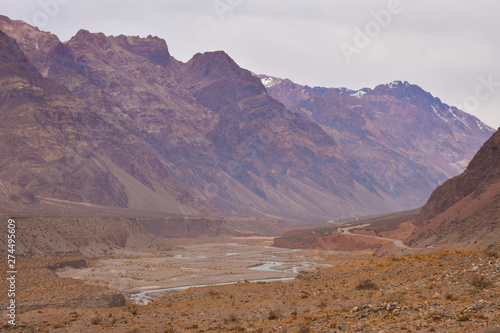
358 93
440 116
483 127
355 93
270 81
396 84
461 119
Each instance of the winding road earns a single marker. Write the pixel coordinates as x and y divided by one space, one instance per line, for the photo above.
397 242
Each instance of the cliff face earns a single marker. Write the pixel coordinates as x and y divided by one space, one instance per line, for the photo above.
43 124
465 209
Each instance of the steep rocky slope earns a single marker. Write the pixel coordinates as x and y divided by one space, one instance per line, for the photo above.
205 137
406 140
465 209
50 148
208 124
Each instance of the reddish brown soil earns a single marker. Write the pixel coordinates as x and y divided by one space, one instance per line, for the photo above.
453 291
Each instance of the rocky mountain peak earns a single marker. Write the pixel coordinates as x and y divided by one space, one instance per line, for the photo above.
354 93
426 140
214 65
401 89
20 77
37 45
398 84
5 23
152 48
218 82
85 34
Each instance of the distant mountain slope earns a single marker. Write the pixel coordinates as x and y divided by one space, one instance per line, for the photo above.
465 209
407 141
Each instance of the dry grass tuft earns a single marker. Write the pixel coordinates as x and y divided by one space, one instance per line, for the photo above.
492 254
274 314
233 318
480 282
367 285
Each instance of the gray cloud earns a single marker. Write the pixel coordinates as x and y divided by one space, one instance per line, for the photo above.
447 47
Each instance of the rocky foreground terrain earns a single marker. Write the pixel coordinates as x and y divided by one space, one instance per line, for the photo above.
451 291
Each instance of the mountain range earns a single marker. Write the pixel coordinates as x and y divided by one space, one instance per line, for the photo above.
403 138
108 122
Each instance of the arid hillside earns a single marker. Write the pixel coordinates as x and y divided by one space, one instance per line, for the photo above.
200 138
466 209
371 233
48 149
91 237
138 129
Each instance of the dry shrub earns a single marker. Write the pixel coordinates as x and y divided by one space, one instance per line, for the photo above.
396 297
304 294
304 328
492 254
367 285
451 297
132 308
233 318
169 330
274 314
480 281
322 305
95 320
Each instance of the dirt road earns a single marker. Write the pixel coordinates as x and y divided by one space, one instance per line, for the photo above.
397 242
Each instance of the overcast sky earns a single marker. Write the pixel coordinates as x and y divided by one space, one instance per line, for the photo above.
450 48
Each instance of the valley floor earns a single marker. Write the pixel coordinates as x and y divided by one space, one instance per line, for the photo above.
452 291
192 263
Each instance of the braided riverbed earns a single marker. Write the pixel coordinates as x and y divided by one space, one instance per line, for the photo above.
144 277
